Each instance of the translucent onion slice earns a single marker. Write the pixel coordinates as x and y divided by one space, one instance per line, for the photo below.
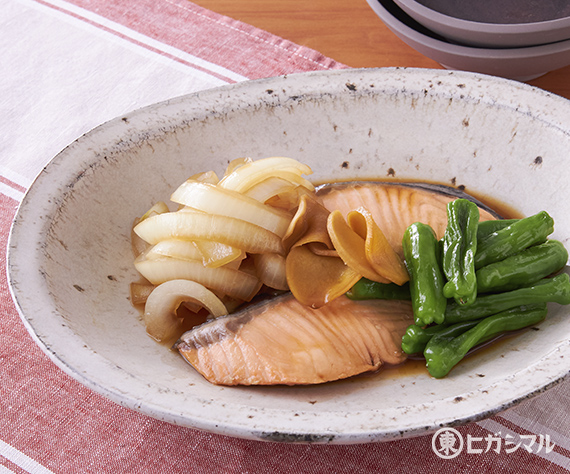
138 245
275 185
270 269
250 174
159 208
160 317
206 177
289 200
351 247
268 188
235 283
236 264
188 225
175 248
140 292
216 254
379 253
236 163
191 306
213 199
315 280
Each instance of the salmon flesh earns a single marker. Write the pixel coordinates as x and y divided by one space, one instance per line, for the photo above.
396 206
281 341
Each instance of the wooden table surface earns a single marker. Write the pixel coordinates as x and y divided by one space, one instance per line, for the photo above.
347 31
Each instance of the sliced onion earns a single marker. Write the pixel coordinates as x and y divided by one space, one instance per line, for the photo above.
275 185
160 317
138 245
188 225
379 253
235 283
213 254
250 174
175 248
289 200
206 177
216 254
270 268
315 280
140 292
236 163
268 188
159 208
191 306
351 247
213 199
236 264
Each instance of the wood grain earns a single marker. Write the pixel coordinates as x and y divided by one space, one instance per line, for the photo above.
347 31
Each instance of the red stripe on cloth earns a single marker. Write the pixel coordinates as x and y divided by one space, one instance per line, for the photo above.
13 185
242 48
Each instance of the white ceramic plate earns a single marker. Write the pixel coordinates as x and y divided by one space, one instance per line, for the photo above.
70 261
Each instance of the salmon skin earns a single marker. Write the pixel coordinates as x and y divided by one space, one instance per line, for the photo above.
282 342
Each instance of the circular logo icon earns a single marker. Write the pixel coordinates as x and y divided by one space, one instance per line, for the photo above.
447 443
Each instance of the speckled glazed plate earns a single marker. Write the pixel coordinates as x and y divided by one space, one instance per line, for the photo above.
70 261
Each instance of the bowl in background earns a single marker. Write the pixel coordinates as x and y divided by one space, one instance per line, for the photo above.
70 261
522 64
474 23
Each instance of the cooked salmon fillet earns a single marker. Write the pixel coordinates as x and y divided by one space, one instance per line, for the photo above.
282 341
394 207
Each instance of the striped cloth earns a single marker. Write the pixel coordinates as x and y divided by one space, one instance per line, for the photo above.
68 66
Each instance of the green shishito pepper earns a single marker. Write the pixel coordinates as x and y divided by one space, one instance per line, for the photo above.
415 338
507 261
521 234
423 260
443 352
365 289
555 290
486 228
459 247
523 268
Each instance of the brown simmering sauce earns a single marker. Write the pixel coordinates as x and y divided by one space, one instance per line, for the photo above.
415 365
